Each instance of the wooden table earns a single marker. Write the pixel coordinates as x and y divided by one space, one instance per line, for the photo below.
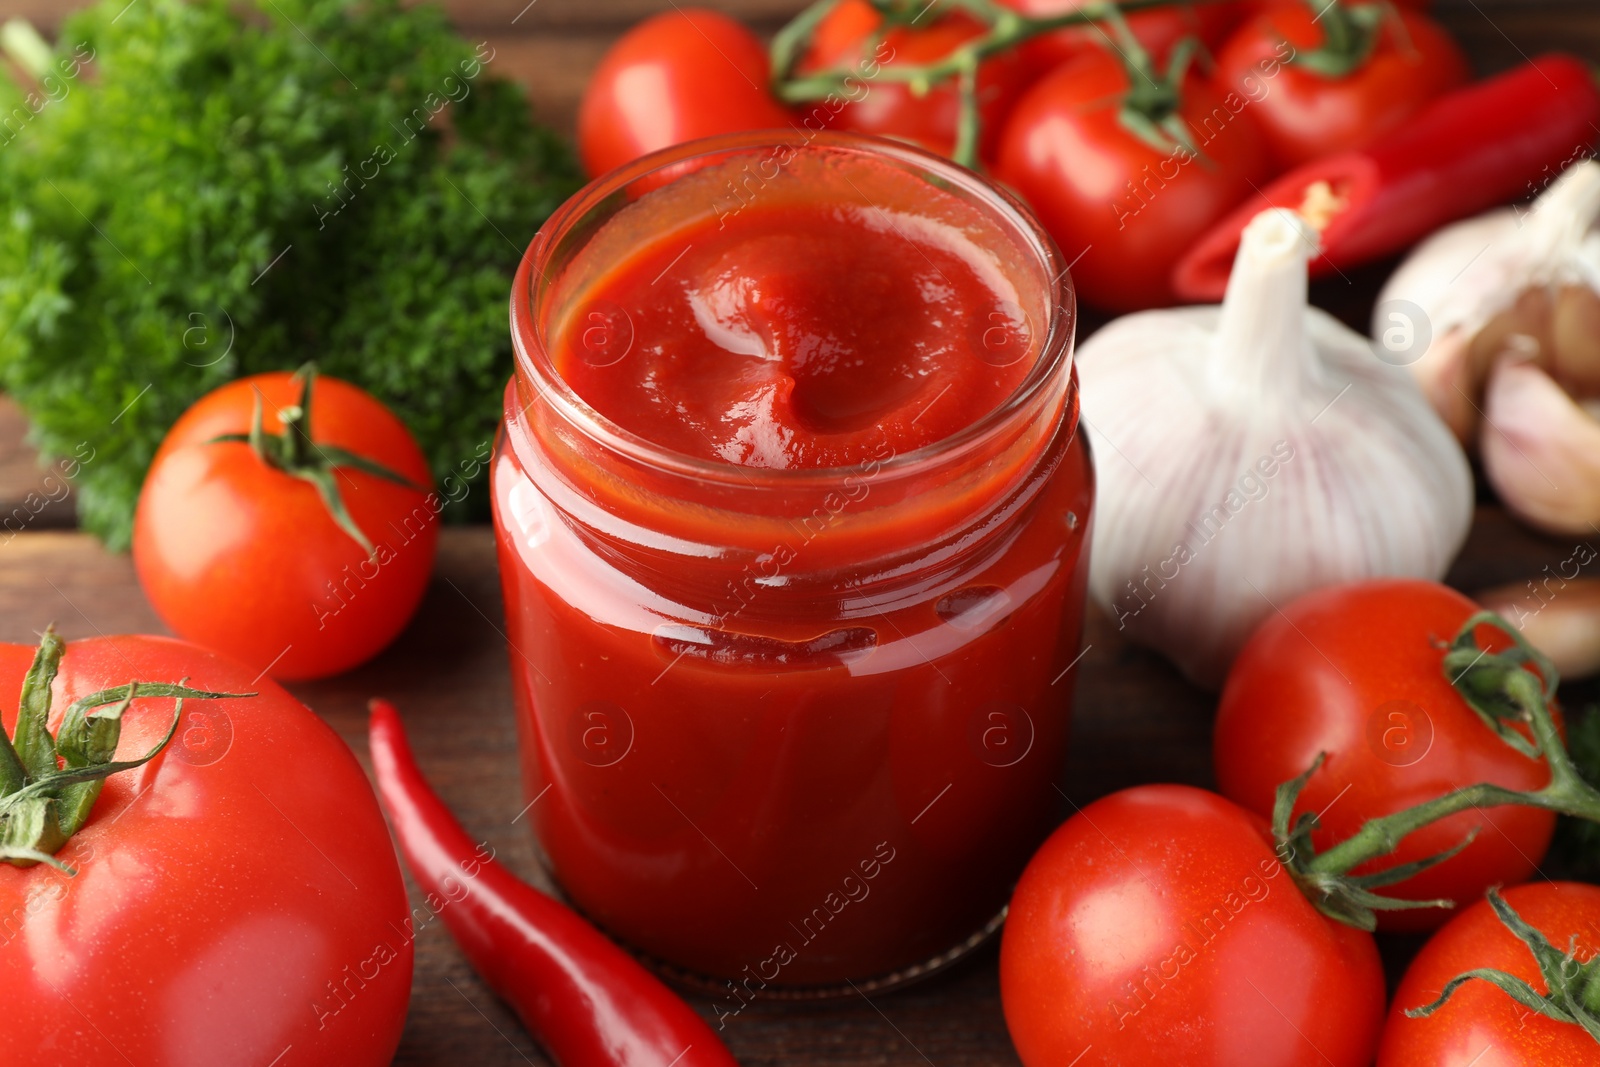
1137 721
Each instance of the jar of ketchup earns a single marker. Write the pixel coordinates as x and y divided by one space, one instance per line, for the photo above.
793 522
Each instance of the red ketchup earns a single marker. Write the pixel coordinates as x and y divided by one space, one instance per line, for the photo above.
792 524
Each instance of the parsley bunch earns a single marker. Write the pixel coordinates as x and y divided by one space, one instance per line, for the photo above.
196 190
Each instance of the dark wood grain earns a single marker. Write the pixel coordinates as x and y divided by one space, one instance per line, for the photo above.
1137 720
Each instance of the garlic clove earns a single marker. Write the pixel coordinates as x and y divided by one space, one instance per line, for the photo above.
1453 384
1540 449
1524 325
1445 271
1575 340
1559 616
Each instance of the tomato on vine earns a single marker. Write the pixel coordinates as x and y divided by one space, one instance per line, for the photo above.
1533 998
1154 927
296 537
683 74
1157 29
1127 168
1157 926
1358 672
1359 70
855 37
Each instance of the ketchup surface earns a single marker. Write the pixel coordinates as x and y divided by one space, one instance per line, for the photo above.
793 696
799 335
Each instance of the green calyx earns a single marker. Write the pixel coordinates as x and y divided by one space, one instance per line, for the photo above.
48 784
1349 34
1150 109
1511 691
1574 985
1498 686
295 453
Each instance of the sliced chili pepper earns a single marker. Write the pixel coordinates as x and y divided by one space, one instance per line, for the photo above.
1480 146
586 1000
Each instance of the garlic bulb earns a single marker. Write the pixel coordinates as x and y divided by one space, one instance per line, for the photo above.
1251 452
1511 301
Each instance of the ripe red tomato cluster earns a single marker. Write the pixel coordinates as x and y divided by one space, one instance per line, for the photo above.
1161 925
1122 206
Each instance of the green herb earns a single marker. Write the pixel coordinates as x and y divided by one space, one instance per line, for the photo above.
195 191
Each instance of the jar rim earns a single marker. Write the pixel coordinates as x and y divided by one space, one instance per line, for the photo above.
531 351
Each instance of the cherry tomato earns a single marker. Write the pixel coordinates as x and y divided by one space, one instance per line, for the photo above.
1356 671
1304 114
1123 210
1480 1026
1156 926
247 559
890 109
237 899
681 75
1156 28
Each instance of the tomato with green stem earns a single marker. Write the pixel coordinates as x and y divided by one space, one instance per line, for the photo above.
296 536
1157 926
854 37
1359 71
1158 29
1126 168
1162 904
678 76
1512 981
233 895
1358 672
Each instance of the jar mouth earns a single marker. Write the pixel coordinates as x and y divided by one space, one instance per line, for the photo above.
537 370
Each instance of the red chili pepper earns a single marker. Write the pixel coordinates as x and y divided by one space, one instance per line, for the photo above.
1480 146
586 1000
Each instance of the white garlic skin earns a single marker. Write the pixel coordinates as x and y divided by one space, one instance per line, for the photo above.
1195 543
1513 301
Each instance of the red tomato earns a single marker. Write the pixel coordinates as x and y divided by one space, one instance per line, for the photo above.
1303 114
237 899
1156 28
1157 927
1122 210
684 74
247 559
1480 1026
891 109
1356 671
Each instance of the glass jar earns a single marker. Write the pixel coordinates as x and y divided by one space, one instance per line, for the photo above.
785 729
